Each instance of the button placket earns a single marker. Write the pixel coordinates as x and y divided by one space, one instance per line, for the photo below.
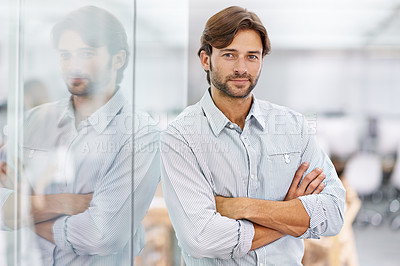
252 156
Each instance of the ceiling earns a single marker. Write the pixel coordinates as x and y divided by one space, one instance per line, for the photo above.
292 24
315 24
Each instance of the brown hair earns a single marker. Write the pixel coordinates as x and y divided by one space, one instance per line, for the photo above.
97 27
221 28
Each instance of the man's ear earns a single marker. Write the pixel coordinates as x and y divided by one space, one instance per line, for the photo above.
119 59
205 60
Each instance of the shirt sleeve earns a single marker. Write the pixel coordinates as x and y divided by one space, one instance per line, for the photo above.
326 210
105 227
201 231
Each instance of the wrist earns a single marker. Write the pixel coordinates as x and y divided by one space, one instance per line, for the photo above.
49 204
66 201
247 208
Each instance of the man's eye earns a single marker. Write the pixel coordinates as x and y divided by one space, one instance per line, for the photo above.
253 57
228 55
86 54
65 56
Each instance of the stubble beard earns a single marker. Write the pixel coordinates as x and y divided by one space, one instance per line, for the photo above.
221 83
91 87
82 89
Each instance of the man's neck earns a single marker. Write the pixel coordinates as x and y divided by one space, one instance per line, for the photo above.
85 106
235 109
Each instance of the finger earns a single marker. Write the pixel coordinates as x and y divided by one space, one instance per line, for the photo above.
309 178
319 189
315 183
3 168
298 175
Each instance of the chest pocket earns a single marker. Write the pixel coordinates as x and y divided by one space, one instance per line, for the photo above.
281 167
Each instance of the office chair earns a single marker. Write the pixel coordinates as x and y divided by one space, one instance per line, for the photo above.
363 172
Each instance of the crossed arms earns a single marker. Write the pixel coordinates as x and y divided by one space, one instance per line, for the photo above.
209 226
275 219
97 222
44 208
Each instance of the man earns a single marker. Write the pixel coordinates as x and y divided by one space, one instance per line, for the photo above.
232 164
78 152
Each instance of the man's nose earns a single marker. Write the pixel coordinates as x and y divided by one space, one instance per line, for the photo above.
75 63
240 66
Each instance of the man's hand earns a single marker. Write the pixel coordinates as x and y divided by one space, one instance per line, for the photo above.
311 184
3 174
6 180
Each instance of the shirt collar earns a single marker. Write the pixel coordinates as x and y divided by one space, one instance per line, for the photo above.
102 117
68 114
218 120
255 111
215 117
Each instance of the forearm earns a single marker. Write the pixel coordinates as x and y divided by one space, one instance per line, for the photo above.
45 207
40 210
45 230
264 236
287 217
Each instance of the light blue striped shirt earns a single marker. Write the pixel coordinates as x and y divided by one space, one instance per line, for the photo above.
203 155
96 157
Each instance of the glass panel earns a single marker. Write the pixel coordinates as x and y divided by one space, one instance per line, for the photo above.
160 90
66 155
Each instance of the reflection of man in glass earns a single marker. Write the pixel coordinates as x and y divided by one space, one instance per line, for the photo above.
232 164
78 152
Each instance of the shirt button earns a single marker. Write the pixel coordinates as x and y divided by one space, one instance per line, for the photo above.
252 176
231 126
261 264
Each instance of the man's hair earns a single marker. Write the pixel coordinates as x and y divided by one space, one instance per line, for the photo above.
97 27
221 28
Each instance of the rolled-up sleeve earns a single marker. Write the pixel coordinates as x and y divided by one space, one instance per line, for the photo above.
105 227
202 232
326 210
102 228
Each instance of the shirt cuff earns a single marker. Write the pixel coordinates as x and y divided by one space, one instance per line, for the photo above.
60 234
318 218
245 239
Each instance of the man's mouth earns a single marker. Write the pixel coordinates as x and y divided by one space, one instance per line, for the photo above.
239 81
77 80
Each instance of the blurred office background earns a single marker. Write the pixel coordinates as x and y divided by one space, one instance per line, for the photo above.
338 62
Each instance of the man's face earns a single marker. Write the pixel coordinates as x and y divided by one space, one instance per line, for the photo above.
86 70
235 69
